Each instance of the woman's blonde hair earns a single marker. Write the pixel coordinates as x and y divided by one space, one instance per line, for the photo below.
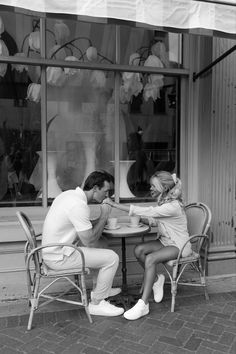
172 187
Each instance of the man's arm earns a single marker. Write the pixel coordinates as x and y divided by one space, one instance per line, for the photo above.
90 236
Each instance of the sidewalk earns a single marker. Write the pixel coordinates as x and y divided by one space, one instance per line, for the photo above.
196 326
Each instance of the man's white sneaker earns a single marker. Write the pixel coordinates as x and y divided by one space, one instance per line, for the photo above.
114 292
104 308
157 288
139 310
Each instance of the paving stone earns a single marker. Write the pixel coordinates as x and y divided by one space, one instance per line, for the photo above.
176 324
204 350
184 334
217 346
233 348
193 343
149 338
208 327
140 348
170 340
217 329
207 336
227 338
157 348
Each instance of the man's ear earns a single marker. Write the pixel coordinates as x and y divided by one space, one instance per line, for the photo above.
95 188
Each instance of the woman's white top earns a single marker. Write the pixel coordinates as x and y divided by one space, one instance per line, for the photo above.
171 221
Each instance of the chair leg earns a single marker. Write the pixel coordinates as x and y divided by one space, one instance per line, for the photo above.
88 314
203 279
85 298
34 302
173 293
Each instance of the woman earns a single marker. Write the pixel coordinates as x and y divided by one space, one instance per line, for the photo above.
169 217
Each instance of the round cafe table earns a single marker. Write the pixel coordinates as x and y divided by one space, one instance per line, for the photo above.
123 231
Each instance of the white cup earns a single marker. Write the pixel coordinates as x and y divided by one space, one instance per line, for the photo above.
134 220
112 223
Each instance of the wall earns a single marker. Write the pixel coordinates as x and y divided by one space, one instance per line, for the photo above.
217 150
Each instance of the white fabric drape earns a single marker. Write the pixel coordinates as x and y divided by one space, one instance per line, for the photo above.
180 14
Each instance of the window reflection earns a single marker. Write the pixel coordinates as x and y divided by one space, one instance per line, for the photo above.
20 139
80 108
150 129
81 136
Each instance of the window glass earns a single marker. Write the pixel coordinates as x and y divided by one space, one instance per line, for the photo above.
144 47
20 116
80 130
80 41
149 130
80 108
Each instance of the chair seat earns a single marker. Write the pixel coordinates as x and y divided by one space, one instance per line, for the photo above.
64 272
192 258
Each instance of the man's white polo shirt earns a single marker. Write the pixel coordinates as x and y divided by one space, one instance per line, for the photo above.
68 214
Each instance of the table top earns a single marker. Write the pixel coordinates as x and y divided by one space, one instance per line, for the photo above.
125 230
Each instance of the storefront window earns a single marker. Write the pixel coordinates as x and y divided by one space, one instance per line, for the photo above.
71 119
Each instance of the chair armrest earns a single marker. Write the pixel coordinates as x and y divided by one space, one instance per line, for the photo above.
37 249
189 240
37 235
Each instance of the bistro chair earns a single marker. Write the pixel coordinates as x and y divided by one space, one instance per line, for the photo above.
198 220
37 270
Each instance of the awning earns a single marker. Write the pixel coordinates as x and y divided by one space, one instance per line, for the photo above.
218 15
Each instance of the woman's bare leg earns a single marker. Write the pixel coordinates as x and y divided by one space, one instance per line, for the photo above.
163 254
143 249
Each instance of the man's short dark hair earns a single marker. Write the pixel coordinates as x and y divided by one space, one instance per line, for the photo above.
97 178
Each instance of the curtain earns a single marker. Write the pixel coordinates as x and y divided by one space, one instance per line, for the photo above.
180 14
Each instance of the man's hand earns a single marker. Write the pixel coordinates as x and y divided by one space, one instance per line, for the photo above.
105 209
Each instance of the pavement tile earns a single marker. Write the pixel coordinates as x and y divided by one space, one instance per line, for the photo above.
204 350
193 343
207 336
226 323
113 343
75 348
233 348
7 350
170 340
197 326
184 334
157 323
176 325
217 346
93 350
138 347
149 338
175 350
227 338
157 348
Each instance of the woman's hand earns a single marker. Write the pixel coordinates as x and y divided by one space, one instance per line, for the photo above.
108 201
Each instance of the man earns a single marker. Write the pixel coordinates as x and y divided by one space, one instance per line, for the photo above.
68 220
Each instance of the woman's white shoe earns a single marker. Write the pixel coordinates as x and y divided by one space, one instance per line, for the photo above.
139 310
157 288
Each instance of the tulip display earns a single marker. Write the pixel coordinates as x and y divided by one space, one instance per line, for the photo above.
34 92
61 32
3 52
19 67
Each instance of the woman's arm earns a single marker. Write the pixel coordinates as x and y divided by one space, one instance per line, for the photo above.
116 205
